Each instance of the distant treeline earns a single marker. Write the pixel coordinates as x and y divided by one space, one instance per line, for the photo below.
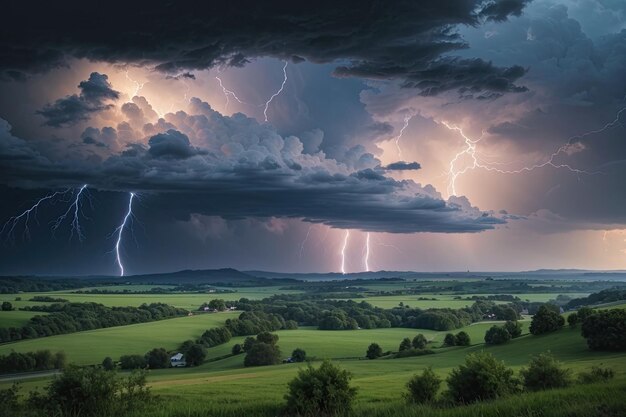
46 299
350 315
75 317
40 360
605 296
13 285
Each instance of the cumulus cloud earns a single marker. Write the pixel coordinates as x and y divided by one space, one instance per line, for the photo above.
401 166
202 162
95 95
400 40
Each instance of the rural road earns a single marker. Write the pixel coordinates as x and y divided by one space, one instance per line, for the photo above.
26 375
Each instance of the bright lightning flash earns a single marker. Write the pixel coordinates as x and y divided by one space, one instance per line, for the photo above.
280 90
11 224
75 211
343 252
228 93
138 85
367 253
306 238
120 231
407 119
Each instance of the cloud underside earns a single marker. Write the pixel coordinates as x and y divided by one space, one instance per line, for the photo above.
202 162
409 41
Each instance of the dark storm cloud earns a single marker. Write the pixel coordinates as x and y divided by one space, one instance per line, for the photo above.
401 165
402 40
93 97
203 162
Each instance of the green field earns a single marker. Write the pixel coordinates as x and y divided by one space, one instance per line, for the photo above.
90 347
16 318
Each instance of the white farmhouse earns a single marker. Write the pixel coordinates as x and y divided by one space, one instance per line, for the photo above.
178 360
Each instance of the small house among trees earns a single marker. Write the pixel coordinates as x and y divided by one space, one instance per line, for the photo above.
178 361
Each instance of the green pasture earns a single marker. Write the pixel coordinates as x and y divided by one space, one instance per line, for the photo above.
16 318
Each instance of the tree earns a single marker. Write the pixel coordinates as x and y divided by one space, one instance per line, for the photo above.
323 391
132 362
419 341
497 335
405 344
298 355
7 306
572 319
374 351
157 358
217 304
108 364
261 354
195 354
585 312
267 337
546 320
423 388
514 328
481 377
606 330
545 372
449 340
247 344
237 349
462 339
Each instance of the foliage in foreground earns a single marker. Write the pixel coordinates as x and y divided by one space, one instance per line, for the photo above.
322 391
545 372
423 388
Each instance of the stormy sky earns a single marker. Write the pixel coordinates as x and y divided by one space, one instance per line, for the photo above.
399 135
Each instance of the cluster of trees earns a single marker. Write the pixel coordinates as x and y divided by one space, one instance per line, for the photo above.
348 315
254 322
14 285
6 306
547 319
75 317
606 330
47 299
40 360
604 296
496 335
262 350
215 304
460 339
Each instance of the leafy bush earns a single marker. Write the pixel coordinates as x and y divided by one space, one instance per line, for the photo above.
462 339
405 344
92 391
497 335
261 354
8 399
449 340
108 364
546 320
514 328
423 388
419 341
7 306
237 349
157 358
413 352
545 372
374 351
606 330
596 374
195 354
132 362
482 377
572 319
323 391
298 355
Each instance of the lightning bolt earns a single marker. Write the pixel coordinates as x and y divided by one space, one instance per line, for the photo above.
308 232
25 216
407 119
228 93
138 86
343 252
280 90
120 231
367 253
75 210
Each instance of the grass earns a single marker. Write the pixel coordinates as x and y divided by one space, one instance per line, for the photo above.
93 346
16 318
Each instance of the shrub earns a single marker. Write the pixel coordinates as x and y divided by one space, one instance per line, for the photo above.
497 335
596 374
419 341
462 339
545 372
572 319
7 306
606 330
157 358
8 399
323 391
298 355
132 362
405 344
374 351
217 304
514 328
423 388
247 344
195 354
268 338
546 320
108 364
449 340
237 349
584 312
482 377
